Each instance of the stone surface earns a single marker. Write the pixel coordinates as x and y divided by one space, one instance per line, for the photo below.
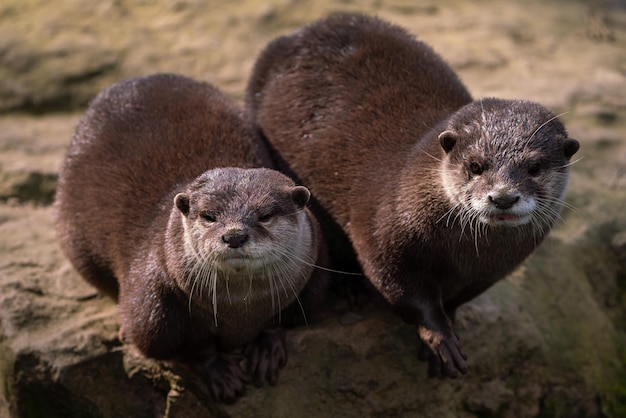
549 341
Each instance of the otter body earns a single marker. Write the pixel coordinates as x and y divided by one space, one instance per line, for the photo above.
440 196
164 203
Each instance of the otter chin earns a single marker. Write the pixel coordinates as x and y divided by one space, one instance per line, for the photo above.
505 219
438 194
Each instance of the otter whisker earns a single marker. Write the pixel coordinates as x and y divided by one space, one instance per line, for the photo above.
288 286
284 272
544 124
448 213
434 170
281 290
227 285
547 209
348 273
207 273
562 203
543 218
312 264
463 219
460 215
476 229
466 217
297 300
210 279
572 162
297 212
193 284
483 126
284 251
431 156
213 286
249 291
191 277
198 275
273 292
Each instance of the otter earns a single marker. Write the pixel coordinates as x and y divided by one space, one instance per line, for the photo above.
167 203
440 195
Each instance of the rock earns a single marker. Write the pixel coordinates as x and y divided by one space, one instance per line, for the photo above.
550 340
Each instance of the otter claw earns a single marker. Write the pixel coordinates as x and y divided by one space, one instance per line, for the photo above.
452 358
227 380
265 356
444 354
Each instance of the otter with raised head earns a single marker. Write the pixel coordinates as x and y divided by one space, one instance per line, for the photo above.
164 204
440 196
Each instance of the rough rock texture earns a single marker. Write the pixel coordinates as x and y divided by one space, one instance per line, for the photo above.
549 341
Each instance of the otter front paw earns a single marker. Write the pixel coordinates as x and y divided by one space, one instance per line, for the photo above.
265 356
443 353
227 379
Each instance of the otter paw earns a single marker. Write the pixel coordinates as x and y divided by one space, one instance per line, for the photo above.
227 379
265 356
444 354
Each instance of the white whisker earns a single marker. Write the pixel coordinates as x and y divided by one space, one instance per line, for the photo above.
572 162
544 124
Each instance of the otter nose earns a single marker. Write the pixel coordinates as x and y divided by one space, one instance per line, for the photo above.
504 201
235 239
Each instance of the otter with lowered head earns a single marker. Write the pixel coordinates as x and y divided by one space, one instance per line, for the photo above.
165 204
440 195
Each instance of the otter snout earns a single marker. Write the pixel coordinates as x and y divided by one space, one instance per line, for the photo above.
235 238
504 201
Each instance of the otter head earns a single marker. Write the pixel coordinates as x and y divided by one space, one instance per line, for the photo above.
506 163
242 226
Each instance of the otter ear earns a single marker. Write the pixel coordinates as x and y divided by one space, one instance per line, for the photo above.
447 139
182 203
570 147
300 195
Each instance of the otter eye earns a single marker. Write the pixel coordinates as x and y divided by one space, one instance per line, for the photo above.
476 168
265 218
208 216
534 169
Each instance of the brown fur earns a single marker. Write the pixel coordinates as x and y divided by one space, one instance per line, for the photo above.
428 185
132 213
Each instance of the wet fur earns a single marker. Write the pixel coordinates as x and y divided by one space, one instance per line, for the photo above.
384 134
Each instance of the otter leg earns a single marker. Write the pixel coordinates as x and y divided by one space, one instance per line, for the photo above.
450 307
440 344
266 355
425 354
156 319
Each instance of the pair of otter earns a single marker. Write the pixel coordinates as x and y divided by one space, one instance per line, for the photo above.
439 195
